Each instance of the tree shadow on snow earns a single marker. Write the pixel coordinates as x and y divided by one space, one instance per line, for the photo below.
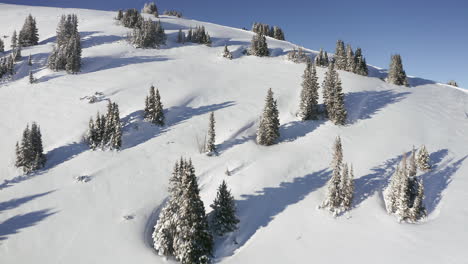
136 131
234 140
363 105
258 210
13 203
438 179
412 81
91 41
14 224
101 63
296 129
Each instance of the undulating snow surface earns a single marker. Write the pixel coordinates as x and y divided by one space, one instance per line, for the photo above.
50 217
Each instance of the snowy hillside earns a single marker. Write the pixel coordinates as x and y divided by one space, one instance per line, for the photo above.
49 217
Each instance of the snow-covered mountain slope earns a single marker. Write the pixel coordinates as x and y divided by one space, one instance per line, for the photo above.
49 217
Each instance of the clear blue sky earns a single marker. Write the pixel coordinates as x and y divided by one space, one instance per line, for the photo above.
431 35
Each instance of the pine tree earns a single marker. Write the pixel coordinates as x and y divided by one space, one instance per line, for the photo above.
418 211
227 54
308 107
396 74
210 147
278 33
340 56
181 37
28 35
268 130
119 15
350 60
31 78
333 96
14 40
116 138
391 193
259 46
66 55
150 8
154 111
29 154
412 170
423 159
360 63
348 200
29 60
334 199
192 241
2 47
321 59
223 218
403 192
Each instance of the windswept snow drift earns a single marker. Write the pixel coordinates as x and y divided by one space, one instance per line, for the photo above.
51 217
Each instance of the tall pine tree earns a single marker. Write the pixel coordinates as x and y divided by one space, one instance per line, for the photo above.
210 147
154 111
308 106
396 74
340 56
28 35
268 130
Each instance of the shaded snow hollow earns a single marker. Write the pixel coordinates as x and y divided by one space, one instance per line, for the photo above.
49 217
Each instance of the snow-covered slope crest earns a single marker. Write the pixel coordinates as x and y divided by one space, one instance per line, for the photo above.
49 217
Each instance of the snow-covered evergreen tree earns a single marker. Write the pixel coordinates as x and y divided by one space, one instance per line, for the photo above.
132 18
278 33
66 55
268 130
29 153
333 96
172 13
340 56
119 15
360 63
259 46
2 46
334 197
412 169
182 229
29 60
106 131
451 82
28 35
226 53
223 217
321 59
199 35
210 147
405 194
150 8
350 59
308 106
396 74
148 35
154 111
14 40
423 159
298 55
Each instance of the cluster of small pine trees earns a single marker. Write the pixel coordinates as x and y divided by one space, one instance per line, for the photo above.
333 96
148 34
28 35
226 53
268 130
7 66
267 30
182 229
341 184
396 74
173 13
154 111
131 18
298 55
259 46
405 194
322 59
29 153
198 35
106 131
66 55
347 60
150 8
